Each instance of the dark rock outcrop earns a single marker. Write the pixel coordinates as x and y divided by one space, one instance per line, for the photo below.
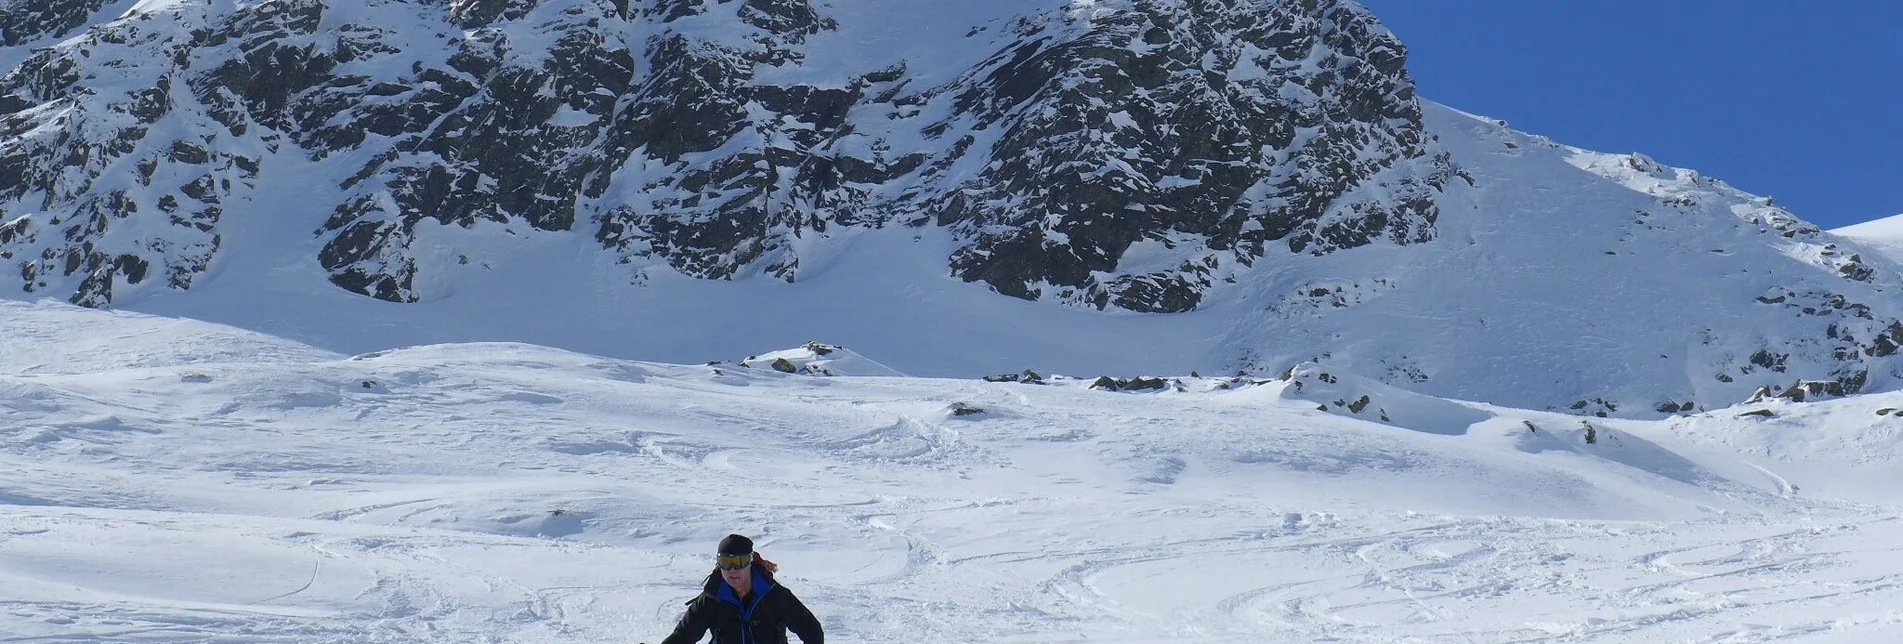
1218 132
25 21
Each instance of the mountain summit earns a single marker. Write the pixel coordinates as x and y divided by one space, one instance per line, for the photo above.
1196 184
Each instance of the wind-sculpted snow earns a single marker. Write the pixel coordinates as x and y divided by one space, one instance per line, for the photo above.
507 492
1885 235
1351 395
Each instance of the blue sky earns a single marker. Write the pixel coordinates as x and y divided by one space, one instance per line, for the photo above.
1798 100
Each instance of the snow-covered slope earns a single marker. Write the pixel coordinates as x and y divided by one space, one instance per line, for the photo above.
1885 235
1564 278
170 480
642 180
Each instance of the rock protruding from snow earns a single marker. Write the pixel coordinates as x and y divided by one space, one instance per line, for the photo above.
816 359
26 21
1802 391
1346 394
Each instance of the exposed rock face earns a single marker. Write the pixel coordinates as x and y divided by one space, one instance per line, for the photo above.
92 145
25 21
736 170
1232 129
501 131
1217 132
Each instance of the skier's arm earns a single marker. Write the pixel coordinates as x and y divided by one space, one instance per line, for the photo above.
800 620
693 624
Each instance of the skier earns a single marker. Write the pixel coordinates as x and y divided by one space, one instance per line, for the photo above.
742 604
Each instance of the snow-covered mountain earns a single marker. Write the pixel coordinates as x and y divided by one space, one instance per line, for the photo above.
166 480
1160 186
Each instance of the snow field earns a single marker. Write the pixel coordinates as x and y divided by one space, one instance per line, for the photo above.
172 481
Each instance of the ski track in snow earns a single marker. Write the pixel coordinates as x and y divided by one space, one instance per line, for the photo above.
511 493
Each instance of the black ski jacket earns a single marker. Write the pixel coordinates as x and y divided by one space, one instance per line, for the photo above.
762 617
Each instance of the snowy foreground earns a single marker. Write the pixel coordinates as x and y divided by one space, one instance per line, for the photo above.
164 480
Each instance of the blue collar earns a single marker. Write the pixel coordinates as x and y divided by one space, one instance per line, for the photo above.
761 584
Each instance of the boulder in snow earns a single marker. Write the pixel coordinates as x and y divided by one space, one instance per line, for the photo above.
1345 394
817 359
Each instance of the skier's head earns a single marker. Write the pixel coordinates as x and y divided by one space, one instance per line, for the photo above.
735 560
736 544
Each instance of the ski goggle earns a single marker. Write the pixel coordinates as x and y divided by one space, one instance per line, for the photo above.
733 562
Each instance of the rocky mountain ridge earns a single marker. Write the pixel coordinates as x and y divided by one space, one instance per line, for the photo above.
1261 169
1238 128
